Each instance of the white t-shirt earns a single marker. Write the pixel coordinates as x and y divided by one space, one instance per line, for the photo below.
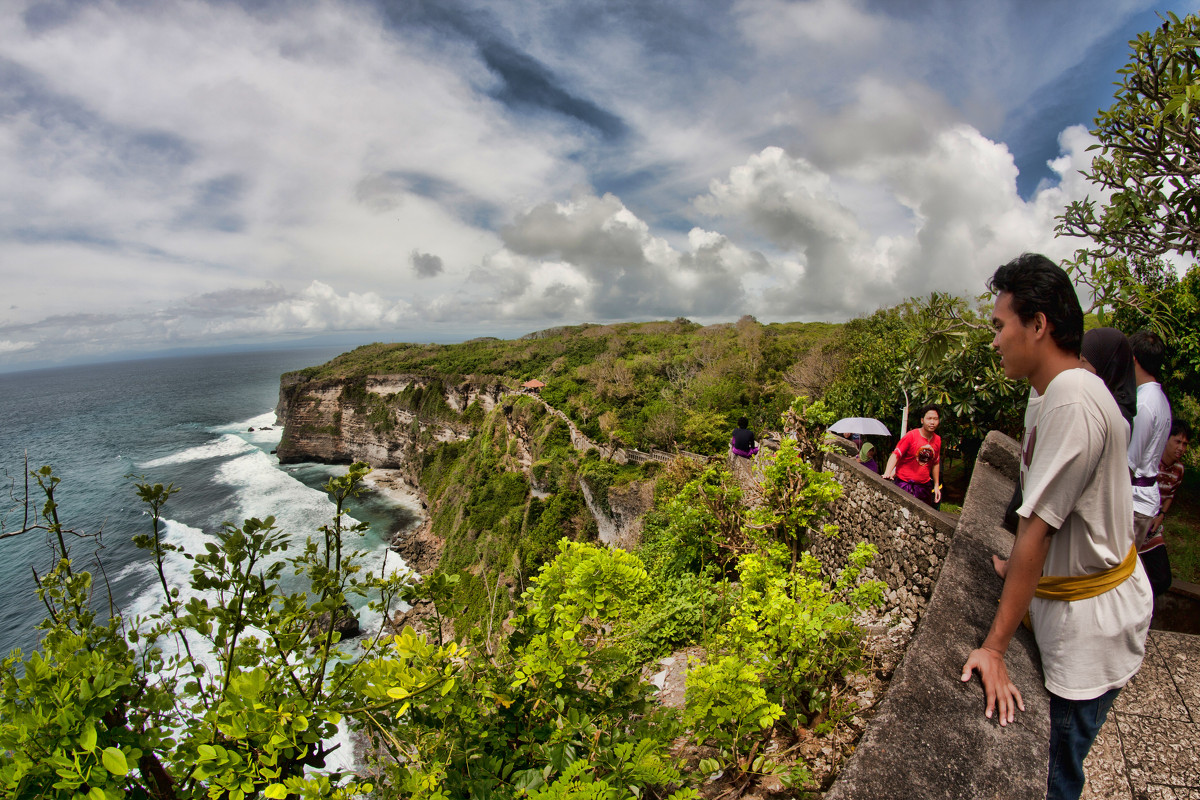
1074 477
1151 429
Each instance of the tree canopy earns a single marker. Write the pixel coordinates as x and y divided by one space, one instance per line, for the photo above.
927 350
1148 166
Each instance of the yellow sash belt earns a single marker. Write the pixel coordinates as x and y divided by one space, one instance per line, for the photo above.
1081 587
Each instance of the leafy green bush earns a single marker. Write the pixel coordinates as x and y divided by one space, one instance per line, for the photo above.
687 609
779 637
129 707
685 533
789 643
554 712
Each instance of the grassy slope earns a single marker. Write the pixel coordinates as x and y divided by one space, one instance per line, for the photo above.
497 533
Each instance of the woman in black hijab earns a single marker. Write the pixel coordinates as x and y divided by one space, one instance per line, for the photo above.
1109 353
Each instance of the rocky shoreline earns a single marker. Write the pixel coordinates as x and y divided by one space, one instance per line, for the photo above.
417 545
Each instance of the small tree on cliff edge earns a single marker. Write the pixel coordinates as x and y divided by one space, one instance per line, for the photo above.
1149 160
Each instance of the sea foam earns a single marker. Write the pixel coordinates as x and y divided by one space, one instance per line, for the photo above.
261 430
227 445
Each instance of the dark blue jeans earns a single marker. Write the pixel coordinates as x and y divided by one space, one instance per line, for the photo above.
1073 727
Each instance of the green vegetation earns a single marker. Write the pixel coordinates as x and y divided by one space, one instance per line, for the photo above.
937 350
1147 160
653 384
558 702
1148 145
547 703
1182 525
240 698
1176 316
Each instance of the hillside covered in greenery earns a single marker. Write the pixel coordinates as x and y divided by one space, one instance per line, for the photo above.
651 384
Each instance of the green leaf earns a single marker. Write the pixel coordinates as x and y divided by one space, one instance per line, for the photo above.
276 791
87 737
114 761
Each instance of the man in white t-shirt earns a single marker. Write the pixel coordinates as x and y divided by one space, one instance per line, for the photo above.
1074 546
1151 428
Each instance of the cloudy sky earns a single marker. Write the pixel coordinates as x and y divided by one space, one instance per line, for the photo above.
181 173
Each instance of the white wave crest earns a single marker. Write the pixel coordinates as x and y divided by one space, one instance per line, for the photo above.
261 431
264 420
227 445
262 489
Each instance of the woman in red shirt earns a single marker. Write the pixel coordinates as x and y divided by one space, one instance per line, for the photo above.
916 463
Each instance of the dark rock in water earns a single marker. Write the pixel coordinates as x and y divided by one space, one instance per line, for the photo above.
346 624
273 452
250 429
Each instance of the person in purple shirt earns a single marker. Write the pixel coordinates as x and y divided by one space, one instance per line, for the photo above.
866 457
743 444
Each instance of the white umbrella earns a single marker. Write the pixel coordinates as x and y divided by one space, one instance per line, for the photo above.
868 426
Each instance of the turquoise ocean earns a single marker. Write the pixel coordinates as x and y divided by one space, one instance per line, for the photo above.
181 420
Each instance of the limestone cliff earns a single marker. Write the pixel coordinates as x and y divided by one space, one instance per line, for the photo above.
389 421
380 419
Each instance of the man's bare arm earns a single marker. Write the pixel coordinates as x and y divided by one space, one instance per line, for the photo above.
1162 512
1024 568
889 471
937 482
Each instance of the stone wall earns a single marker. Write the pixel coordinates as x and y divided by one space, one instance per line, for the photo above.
912 538
929 738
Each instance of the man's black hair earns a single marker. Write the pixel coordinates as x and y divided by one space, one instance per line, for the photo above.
1149 351
925 409
743 422
1178 426
1037 284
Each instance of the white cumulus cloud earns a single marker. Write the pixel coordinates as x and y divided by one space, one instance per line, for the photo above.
192 172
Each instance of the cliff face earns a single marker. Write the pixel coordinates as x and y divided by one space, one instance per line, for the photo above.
341 421
389 421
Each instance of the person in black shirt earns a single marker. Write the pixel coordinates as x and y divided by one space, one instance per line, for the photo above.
743 444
